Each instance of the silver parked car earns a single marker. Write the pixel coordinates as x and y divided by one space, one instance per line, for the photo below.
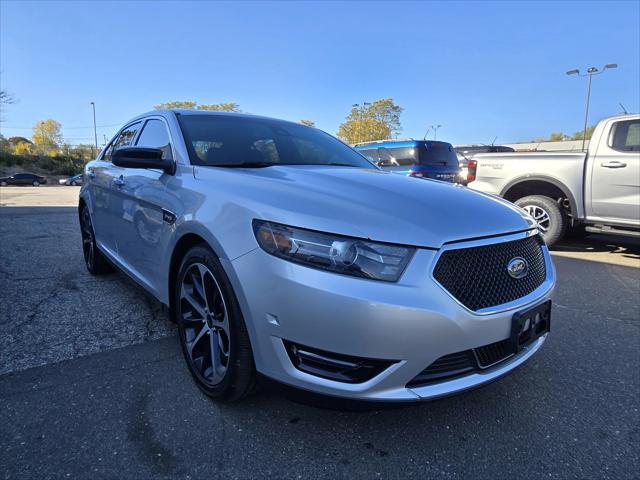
71 181
281 251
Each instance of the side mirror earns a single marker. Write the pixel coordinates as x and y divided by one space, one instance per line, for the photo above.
142 157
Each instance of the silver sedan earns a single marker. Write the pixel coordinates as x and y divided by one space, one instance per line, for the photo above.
279 250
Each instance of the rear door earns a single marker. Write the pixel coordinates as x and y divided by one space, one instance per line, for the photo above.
145 219
615 181
104 179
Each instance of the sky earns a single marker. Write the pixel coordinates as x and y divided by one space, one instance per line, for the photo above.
480 69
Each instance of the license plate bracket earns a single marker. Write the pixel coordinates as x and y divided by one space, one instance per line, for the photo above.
529 325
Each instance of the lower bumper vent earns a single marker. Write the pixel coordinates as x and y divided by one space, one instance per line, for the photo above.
334 366
463 363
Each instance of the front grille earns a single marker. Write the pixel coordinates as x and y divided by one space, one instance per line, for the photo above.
478 278
462 363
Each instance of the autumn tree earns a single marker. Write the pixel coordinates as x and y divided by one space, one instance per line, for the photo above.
189 105
47 136
580 134
175 105
222 107
377 120
308 123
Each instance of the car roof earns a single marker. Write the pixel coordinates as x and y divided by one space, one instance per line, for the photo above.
213 113
397 143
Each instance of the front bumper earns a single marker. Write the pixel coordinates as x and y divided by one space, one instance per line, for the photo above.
413 322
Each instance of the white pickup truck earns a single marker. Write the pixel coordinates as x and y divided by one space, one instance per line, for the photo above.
598 191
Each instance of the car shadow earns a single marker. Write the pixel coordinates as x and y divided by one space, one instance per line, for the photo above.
603 248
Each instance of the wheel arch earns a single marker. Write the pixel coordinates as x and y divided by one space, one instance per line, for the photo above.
539 185
181 247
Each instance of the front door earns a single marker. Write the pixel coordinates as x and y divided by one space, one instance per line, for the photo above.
146 210
615 181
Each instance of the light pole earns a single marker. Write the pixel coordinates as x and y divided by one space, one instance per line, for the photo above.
591 71
95 131
435 131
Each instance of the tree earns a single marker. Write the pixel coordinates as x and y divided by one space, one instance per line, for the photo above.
557 137
22 148
222 107
579 135
308 123
173 105
47 136
371 121
189 105
5 98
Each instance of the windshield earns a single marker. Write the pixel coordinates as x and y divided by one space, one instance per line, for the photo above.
438 153
235 141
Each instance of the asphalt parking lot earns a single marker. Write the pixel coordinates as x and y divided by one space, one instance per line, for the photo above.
93 384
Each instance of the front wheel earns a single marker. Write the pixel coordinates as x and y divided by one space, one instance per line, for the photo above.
95 261
552 220
3 184
213 336
36 183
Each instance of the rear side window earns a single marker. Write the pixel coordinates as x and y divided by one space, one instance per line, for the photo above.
404 156
438 153
155 135
371 154
124 139
626 136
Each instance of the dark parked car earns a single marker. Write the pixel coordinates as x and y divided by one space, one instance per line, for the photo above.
23 179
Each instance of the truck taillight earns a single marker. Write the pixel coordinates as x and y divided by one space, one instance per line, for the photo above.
471 170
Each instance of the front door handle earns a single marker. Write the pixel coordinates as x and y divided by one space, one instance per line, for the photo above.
613 164
119 181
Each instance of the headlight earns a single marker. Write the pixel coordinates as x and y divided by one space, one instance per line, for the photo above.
346 255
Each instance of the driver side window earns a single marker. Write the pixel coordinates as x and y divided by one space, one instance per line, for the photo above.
125 138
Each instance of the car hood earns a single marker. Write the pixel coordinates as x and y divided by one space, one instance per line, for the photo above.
367 203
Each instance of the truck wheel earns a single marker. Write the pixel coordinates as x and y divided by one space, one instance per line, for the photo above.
552 220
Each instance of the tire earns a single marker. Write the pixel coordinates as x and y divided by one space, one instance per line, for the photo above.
95 261
3 184
552 220
73 184
211 326
36 183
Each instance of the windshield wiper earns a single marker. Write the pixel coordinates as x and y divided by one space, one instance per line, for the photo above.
245 165
337 164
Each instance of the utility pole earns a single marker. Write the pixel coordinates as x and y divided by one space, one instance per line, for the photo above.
591 71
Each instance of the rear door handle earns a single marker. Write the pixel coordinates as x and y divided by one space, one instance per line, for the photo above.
119 181
613 164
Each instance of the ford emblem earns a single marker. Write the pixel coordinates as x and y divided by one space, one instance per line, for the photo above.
518 267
